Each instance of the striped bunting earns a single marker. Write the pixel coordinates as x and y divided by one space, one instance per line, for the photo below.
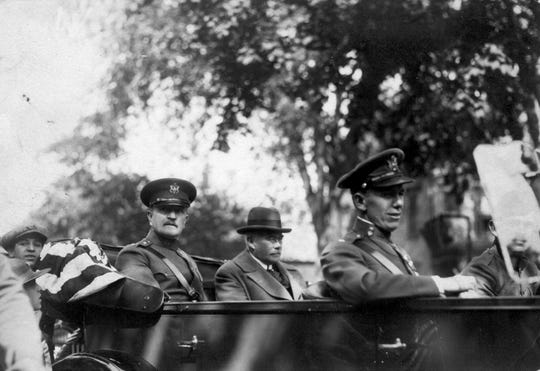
79 268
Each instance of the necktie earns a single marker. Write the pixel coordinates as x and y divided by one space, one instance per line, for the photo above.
406 259
278 276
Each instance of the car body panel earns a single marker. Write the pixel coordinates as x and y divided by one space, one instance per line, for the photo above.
457 334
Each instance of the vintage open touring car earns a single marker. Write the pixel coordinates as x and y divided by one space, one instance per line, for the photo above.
450 334
146 333
131 326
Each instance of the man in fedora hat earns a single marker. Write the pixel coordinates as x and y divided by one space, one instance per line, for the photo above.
25 242
257 273
158 259
366 264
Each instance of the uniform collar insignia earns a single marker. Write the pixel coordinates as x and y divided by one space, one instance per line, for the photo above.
350 237
174 188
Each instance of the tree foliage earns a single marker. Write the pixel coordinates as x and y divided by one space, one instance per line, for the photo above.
339 79
108 210
336 79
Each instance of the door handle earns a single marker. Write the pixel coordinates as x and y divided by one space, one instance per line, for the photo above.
394 346
192 344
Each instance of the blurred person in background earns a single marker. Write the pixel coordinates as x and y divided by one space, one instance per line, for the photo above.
25 242
491 273
20 347
257 273
28 277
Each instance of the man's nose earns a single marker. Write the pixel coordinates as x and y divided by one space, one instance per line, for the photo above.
398 201
31 247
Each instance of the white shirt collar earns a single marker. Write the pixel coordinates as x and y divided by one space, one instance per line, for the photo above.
263 265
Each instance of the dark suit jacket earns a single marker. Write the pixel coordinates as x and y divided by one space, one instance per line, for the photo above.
243 278
356 276
137 262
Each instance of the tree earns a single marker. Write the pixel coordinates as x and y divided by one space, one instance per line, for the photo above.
98 201
95 208
109 211
339 79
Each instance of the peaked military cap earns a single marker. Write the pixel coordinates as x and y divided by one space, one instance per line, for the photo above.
168 191
378 171
263 219
9 240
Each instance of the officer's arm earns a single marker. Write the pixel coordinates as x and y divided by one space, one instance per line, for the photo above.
348 274
132 262
228 287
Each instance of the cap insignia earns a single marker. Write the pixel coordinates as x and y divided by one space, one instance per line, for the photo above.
392 163
174 188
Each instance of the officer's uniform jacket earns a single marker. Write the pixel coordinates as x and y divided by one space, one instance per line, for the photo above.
493 279
243 278
356 275
137 262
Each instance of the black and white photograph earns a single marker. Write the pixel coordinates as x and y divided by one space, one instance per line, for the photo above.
269 185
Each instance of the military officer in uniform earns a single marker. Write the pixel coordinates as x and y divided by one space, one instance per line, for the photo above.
158 259
366 264
257 273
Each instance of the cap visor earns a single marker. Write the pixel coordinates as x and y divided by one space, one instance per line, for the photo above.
393 182
171 203
32 232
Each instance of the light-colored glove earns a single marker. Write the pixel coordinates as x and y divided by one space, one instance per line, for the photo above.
455 284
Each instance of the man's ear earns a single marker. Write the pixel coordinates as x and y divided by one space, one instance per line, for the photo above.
149 216
249 243
359 201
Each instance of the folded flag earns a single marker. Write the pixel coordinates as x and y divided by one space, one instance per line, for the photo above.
78 269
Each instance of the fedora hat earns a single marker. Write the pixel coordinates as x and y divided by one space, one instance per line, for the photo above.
263 219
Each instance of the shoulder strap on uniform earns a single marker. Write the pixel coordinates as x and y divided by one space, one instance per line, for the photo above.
191 264
144 243
192 293
381 258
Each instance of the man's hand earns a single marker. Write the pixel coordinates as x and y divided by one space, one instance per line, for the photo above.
470 294
455 284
